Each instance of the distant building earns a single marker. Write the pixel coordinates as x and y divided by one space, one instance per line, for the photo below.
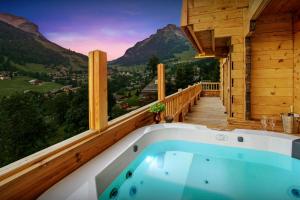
2 78
35 82
67 88
149 93
5 76
75 89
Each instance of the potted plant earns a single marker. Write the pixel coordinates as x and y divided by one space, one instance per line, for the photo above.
156 109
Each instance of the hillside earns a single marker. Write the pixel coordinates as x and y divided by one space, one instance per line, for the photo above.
167 43
23 44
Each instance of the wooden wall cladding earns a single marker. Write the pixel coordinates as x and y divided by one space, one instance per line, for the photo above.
272 66
297 63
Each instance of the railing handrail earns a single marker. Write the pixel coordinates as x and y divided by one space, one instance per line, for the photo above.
210 86
179 103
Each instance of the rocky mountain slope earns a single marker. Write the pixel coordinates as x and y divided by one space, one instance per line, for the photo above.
167 43
22 43
20 23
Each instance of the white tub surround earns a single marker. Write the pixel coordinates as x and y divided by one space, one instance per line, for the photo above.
82 183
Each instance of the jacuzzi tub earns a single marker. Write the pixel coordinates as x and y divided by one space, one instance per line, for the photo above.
92 179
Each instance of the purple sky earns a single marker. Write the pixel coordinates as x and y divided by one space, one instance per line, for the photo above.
84 25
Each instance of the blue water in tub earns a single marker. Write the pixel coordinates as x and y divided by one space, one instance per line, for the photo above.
178 170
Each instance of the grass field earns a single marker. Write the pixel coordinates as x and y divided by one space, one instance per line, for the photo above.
20 84
33 68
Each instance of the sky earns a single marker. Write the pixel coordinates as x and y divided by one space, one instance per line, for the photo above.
85 25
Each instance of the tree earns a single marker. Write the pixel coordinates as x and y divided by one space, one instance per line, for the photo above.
111 98
152 64
77 115
180 79
22 126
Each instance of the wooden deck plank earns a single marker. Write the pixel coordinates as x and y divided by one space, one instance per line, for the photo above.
209 112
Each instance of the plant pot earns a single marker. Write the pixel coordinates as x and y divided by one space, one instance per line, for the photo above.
169 119
157 118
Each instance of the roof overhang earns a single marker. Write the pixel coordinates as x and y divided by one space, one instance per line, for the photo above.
204 41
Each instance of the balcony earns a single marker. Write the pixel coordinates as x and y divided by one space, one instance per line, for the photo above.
223 106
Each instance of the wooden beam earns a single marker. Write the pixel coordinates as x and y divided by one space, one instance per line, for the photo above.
256 8
195 39
161 81
213 44
98 112
184 13
254 11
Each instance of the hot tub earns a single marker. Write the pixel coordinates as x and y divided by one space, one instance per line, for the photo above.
183 161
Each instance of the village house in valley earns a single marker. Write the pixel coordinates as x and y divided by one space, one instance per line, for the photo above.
5 76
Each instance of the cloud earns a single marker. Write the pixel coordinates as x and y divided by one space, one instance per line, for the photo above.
131 32
66 37
110 32
114 41
117 32
84 44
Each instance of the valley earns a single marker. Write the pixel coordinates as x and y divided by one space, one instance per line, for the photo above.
48 83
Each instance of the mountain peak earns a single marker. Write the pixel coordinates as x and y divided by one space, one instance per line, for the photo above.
23 44
171 27
165 44
20 23
168 28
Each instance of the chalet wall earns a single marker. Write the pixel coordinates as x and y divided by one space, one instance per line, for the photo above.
225 93
272 66
224 84
226 20
237 77
297 64
275 53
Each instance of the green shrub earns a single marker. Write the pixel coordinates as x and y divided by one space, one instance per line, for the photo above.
157 108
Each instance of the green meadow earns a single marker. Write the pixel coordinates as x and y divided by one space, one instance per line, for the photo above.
21 84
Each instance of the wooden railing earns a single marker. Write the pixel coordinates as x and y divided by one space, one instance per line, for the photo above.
210 89
178 104
29 177
210 86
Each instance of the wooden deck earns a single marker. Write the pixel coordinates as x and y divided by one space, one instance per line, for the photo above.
210 112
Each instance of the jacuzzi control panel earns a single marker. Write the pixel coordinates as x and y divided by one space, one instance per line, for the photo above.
296 149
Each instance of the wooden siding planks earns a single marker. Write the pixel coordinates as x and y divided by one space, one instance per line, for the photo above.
272 66
297 64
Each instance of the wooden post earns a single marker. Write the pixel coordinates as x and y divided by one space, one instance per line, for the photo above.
161 87
98 112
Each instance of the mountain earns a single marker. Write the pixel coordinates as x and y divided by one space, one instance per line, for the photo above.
167 43
23 45
20 23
